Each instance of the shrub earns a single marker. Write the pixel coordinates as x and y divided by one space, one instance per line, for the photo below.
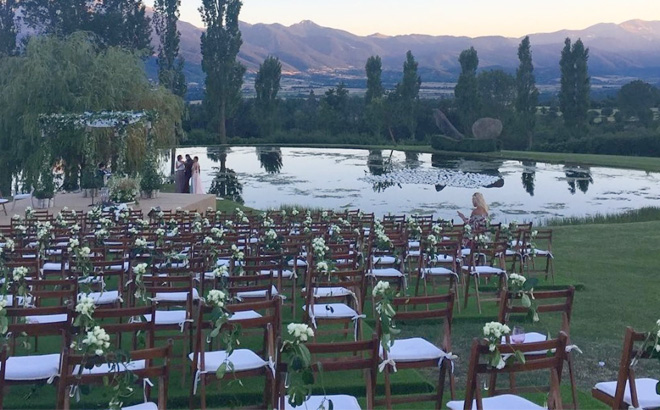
123 189
150 178
442 143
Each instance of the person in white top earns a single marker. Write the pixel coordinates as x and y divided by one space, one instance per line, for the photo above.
179 168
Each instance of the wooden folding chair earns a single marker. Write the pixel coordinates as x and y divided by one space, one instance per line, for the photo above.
629 391
416 352
157 366
549 303
508 399
485 262
33 369
333 357
540 247
335 298
264 316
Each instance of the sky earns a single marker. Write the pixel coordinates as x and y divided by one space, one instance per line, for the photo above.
510 18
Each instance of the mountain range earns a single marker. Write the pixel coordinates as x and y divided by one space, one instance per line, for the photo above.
618 52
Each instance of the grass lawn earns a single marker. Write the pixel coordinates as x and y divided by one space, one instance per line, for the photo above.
615 266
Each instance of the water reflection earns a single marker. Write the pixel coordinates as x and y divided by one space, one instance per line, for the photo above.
225 182
270 159
378 165
479 167
412 160
578 177
528 176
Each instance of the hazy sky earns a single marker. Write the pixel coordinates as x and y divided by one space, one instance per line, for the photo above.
512 18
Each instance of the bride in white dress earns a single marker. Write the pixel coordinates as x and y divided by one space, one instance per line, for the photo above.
197 187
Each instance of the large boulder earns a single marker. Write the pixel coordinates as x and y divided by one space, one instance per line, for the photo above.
487 128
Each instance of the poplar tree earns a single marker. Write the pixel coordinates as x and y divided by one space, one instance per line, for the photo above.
408 94
170 64
375 108
466 91
220 46
527 95
374 69
267 85
575 88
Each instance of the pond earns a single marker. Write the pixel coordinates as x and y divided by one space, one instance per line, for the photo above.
384 181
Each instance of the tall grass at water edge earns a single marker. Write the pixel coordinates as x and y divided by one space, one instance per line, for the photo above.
645 214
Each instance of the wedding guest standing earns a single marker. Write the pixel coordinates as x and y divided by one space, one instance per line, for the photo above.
187 174
479 215
180 168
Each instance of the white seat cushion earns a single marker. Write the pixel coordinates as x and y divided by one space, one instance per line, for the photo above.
437 271
339 402
286 274
173 265
175 296
413 350
4 200
413 253
257 293
36 367
18 197
242 359
466 251
47 318
484 270
168 317
105 368
334 291
245 314
120 266
222 262
532 337
54 266
384 260
142 406
646 395
333 311
413 244
299 263
443 259
103 298
386 273
502 402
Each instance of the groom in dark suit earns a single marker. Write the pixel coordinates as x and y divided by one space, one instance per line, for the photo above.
187 174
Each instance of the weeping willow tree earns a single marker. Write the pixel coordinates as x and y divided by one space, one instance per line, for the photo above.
74 75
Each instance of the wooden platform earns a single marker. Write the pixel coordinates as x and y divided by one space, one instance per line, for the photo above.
76 201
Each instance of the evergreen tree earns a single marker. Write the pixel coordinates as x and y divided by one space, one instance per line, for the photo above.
575 86
466 91
57 17
374 69
170 64
8 28
267 85
373 98
220 46
334 109
408 92
123 23
527 95
120 23
582 88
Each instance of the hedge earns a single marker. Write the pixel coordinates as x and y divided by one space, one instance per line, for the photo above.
442 143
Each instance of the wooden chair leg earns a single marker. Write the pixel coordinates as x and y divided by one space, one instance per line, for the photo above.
441 385
467 290
571 375
476 291
388 388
